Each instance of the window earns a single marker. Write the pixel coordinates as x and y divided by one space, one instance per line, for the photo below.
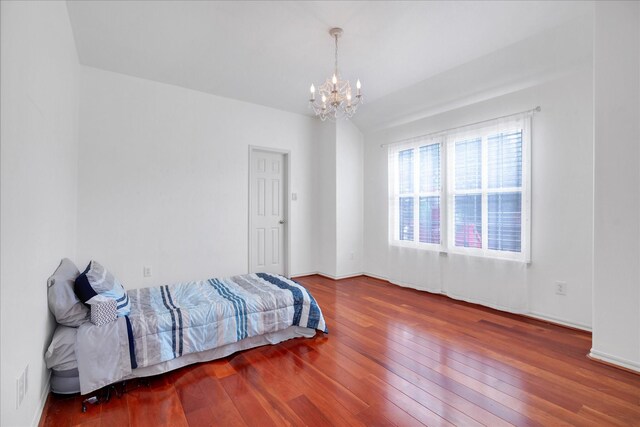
487 191
416 193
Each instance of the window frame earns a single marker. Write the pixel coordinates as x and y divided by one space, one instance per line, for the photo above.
395 195
447 190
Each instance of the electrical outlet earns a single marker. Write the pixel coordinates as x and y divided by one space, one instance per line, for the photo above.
146 271
294 196
561 288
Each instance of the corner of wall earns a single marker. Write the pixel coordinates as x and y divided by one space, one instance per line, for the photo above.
39 145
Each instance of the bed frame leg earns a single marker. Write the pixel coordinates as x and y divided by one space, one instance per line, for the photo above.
104 395
97 398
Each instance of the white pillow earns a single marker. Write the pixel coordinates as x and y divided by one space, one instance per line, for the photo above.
61 354
63 302
96 285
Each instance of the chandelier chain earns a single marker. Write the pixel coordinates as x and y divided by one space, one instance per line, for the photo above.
336 56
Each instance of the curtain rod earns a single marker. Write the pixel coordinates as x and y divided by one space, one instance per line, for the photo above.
533 110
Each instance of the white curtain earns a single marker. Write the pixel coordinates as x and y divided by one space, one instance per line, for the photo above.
498 283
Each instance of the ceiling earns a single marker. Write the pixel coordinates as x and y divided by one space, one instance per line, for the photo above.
269 53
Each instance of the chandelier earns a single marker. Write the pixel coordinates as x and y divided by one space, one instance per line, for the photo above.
335 98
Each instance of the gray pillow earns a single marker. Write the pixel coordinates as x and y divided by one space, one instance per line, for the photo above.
63 302
61 354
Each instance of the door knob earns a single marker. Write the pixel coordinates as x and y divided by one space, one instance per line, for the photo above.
282 221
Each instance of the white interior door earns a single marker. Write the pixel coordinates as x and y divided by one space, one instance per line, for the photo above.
268 221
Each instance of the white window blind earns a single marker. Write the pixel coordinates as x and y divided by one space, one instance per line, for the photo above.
487 197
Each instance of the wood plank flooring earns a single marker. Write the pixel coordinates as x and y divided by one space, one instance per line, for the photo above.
393 356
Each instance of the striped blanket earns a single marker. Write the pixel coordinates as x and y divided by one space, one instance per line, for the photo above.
174 320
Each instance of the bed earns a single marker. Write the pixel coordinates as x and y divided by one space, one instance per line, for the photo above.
162 328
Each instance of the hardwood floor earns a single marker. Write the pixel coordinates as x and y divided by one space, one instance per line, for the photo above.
393 356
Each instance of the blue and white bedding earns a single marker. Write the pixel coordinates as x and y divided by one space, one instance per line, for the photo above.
172 321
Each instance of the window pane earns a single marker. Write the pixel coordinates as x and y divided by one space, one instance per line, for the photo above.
504 221
430 219
468 220
468 164
505 160
405 170
430 168
406 218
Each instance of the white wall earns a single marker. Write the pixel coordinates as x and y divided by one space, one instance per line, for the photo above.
38 151
616 267
340 219
561 179
349 199
325 154
163 179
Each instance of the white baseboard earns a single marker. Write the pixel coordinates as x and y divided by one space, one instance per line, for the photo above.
346 276
536 315
304 274
43 401
533 314
329 276
558 320
614 360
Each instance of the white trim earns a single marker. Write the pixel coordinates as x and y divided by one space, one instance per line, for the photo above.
311 273
346 276
329 276
614 360
287 201
532 314
482 133
559 321
394 194
43 401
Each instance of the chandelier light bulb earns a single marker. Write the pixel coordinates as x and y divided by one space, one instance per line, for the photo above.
336 96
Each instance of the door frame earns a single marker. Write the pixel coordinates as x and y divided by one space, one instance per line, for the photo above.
286 191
